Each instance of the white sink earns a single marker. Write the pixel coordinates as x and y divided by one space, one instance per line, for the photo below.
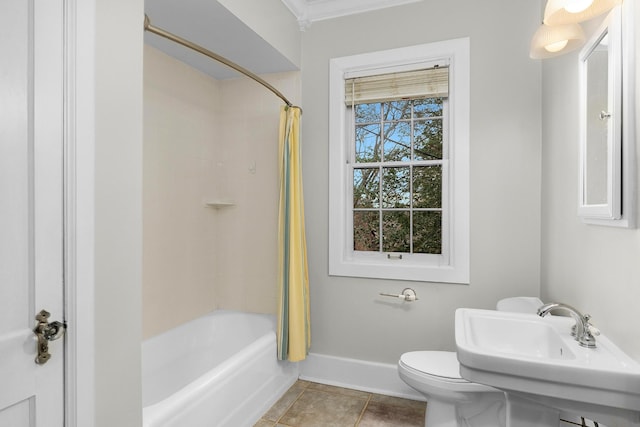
524 337
537 359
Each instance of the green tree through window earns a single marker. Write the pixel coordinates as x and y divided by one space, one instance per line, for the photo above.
397 176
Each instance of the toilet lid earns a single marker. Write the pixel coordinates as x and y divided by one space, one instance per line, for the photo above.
437 363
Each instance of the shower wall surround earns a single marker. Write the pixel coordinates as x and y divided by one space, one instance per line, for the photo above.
181 128
208 140
248 174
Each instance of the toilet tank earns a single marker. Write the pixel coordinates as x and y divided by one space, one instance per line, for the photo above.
519 304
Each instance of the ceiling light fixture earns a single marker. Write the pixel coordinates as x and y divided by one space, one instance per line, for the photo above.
559 12
550 41
576 6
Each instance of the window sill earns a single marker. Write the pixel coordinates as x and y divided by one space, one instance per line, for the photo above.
393 270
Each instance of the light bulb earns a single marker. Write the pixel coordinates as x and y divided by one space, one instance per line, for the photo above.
557 46
577 6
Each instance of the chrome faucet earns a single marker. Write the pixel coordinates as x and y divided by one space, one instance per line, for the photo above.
582 330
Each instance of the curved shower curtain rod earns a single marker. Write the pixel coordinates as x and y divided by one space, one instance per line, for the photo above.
186 43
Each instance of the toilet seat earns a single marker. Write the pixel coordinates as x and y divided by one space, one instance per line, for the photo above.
438 363
439 369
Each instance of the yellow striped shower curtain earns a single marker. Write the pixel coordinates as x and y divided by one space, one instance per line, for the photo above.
294 336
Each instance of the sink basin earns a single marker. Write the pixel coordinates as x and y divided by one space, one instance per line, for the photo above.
538 359
523 337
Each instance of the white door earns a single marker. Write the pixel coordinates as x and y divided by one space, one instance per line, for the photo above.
31 215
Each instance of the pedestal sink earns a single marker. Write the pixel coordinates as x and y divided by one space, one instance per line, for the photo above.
543 370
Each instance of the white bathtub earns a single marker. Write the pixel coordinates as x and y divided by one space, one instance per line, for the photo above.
218 370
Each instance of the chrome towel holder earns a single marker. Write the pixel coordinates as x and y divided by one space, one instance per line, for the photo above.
407 294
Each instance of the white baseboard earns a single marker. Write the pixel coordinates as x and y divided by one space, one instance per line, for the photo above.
372 377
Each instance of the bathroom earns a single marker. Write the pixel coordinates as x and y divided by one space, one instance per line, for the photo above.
525 235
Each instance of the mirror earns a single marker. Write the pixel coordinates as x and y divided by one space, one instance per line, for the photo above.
598 123
601 122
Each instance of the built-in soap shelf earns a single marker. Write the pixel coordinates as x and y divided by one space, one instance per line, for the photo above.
217 204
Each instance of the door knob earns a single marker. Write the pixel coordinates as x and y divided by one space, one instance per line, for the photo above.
46 332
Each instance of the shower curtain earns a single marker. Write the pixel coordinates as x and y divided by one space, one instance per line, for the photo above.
294 336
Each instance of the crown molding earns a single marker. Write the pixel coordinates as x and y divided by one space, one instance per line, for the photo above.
309 11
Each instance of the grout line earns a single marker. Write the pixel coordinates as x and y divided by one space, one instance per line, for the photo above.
289 407
364 409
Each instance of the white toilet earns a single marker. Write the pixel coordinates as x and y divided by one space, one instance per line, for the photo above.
453 401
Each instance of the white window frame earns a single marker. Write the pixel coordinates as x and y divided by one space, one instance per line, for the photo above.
453 265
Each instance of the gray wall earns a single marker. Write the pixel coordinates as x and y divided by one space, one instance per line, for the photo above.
118 212
349 319
594 268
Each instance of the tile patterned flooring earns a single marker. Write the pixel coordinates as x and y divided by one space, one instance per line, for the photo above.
308 404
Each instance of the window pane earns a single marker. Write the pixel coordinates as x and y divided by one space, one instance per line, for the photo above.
427 232
395 188
395 231
427 135
427 186
368 113
397 110
390 132
366 188
429 107
366 230
367 143
397 142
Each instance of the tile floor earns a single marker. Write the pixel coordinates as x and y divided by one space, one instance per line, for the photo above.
308 404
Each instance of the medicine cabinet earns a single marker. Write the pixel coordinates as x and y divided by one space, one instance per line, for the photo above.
607 156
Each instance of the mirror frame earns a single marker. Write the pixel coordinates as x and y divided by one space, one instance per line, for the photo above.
619 209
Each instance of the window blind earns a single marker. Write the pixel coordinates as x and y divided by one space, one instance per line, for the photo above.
426 83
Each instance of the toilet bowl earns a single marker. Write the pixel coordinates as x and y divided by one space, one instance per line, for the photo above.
453 401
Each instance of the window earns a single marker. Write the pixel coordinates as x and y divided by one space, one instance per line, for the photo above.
396 152
399 183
